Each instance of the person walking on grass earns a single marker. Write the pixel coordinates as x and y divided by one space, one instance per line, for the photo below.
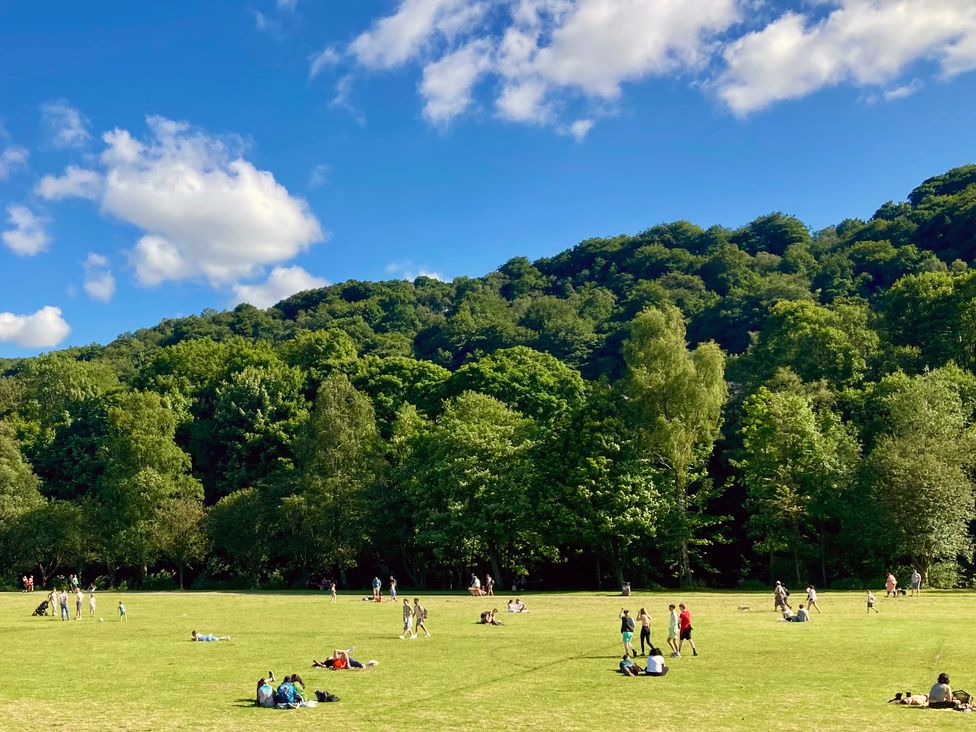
332 591
891 585
393 586
407 620
916 582
673 623
419 618
377 586
871 602
627 632
684 621
54 601
812 598
645 633
489 585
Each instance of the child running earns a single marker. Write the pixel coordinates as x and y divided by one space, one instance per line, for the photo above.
871 602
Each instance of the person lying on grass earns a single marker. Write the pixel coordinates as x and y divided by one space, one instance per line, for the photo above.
341 659
207 638
628 667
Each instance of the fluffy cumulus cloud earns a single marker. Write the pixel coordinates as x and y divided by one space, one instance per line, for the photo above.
66 126
42 329
859 42
74 183
538 58
28 235
12 158
99 281
205 211
281 283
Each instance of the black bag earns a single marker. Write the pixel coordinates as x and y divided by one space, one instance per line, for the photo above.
963 697
326 696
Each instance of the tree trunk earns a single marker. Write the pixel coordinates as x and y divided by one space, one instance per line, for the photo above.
685 563
823 559
496 569
599 573
796 554
179 570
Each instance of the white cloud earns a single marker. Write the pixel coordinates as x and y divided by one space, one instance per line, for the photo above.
578 130
286 4
319 175
404 269
326 58
903 91
447 83
281 283
28 237
204 210
12 158
65 124
43 329
99 282
860 42
75 183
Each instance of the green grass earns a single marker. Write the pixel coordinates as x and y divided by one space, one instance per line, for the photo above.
551 669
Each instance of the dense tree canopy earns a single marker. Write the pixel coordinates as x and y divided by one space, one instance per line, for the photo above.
686 404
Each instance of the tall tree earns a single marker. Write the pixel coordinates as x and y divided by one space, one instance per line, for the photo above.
920 471
677 396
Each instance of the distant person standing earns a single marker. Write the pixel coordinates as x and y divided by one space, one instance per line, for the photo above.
393 586
79 599
377 586
407 620
812 598
54 600
122 614
627 632
419 618
673 622
891 585
91 605
332 591
684 621
645 633
63 599
489 585
475 584
916 582
780 596
871 602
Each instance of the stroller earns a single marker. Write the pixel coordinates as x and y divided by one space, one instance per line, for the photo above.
41 609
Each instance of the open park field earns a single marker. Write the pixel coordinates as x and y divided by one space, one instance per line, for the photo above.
551 669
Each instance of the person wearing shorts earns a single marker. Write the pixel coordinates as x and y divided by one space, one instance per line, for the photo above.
627 632
916 582
407 620
673 631
684 622
871 602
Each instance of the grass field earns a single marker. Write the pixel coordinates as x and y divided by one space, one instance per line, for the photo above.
551 669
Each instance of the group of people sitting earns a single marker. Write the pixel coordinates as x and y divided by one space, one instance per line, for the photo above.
290 694
516 606
940 696
488 617
800 616
655 664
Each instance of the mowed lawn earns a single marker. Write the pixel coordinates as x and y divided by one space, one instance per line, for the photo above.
551 669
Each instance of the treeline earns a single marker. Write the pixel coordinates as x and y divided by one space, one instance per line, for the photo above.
683 405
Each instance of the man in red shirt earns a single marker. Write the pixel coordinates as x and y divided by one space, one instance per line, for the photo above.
684 623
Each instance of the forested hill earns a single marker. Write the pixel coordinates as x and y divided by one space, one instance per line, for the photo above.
681 404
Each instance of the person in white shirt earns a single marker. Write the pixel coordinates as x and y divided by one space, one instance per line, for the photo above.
812 598
916 582
655 663
91 605
407 620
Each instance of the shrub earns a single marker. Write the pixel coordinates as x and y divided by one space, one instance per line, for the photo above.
945 576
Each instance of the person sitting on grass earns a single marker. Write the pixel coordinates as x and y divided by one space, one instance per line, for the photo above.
655 663
628 667
265 694
341 659
488 617
802 615
285 696
299 686
940 697
207 638
788 615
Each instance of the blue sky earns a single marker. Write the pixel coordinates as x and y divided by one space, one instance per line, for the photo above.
157 159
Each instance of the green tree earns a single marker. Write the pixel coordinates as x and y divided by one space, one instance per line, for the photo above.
241 525
178 532
919 471
677 396
49 536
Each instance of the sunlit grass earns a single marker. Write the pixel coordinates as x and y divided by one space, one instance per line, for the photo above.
551 669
